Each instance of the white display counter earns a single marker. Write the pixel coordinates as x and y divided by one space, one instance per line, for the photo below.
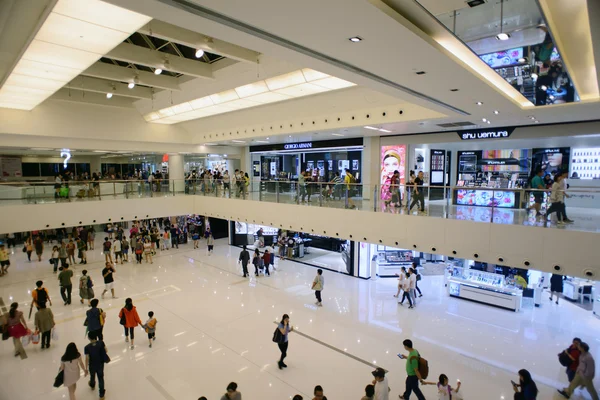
573 289
486 294
596 309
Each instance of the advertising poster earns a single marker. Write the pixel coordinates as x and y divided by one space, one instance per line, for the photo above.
551 160
585 163
10 167
393 158
516 160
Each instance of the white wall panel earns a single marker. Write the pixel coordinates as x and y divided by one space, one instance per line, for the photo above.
574 252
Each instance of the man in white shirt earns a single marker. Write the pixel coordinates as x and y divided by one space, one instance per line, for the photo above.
382 389
226 187
412 279
117 249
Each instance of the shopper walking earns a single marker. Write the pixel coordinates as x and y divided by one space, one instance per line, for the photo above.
63 254
445 391
557 200
586 371
28 247
401 278
71 252
350 182
317 286
210 242
109 281
129 319
66 286
412 371
39 295
81 250
71 365
95 358
44 322
244 258
139 250
265 261
526 389
572 353
38 244
106 247
418 193
256 260
124 250
232 392
381 386
54 258
17 328
556 286
406 291
117 247
148 251
5 260
86 288
150 327
284 328
537 183
417 277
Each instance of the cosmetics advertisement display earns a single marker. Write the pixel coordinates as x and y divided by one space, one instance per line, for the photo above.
483 214
585 163
393 158
516 160
485 198
551 160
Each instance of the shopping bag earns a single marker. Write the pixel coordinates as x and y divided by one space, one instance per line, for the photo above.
26 340
60 378
54 334
35 337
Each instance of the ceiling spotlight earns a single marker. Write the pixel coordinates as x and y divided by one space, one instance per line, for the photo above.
355 39
496 112
109 95
157 71
479 103
489 122
484 119
536 121
502 36
534 76
199 53
131 85
521 60
544 87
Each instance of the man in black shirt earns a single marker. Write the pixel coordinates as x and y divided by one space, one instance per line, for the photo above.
95 356
174 236
244 259
418 193
107 274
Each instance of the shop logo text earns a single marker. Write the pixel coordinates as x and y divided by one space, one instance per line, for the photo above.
484 135
294 146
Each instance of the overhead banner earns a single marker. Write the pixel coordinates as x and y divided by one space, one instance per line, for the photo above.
479 134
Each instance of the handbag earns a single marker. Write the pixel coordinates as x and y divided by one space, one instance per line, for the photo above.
278 336
60 379
24 249
564 359
123 320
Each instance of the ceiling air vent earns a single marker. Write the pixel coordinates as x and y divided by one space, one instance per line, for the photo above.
456 124
475 3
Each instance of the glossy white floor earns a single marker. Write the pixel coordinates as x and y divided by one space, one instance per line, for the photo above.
216 327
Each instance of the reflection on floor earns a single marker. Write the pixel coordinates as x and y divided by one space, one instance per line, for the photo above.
216 327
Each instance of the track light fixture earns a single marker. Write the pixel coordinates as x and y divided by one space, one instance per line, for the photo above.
157 71
131 85
109 95
199 53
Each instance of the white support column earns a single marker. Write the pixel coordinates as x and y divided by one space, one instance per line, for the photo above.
95 165
176 172
370 165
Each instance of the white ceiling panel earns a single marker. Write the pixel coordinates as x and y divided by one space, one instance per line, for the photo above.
103 14
54 54
34 82
78 34
304 89
266 98
38 69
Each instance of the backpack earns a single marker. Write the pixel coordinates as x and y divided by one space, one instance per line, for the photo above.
42 296
106 246
423 367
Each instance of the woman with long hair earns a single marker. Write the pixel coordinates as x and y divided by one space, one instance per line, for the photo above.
526 389
29 247
17 328
131 319
71 365
391 160
284 328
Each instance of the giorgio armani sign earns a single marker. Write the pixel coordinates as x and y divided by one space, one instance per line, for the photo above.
294 146
478 134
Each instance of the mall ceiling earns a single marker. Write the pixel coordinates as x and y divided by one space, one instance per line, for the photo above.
406 59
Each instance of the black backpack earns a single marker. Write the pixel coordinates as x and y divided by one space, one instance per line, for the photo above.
42 296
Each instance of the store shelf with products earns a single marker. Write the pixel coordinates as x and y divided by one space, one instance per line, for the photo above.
484 287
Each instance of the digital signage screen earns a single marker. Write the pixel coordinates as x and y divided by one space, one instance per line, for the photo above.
393 158
551 160
517 160
485 198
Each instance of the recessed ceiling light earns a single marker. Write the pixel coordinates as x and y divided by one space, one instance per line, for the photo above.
479 103
336 134
420 72
262 141
199 53
131 85
267 138
484 119
371 128
157 71
355 39
290 136
101 151
496 112
384 130
109 95
536 121
503 36
530 117
40 149
454 90
489 122
238 141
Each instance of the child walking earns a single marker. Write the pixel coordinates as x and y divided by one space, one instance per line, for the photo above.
150 327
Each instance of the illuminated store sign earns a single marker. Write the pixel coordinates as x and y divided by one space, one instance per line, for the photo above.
500 133
294 146
66 153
